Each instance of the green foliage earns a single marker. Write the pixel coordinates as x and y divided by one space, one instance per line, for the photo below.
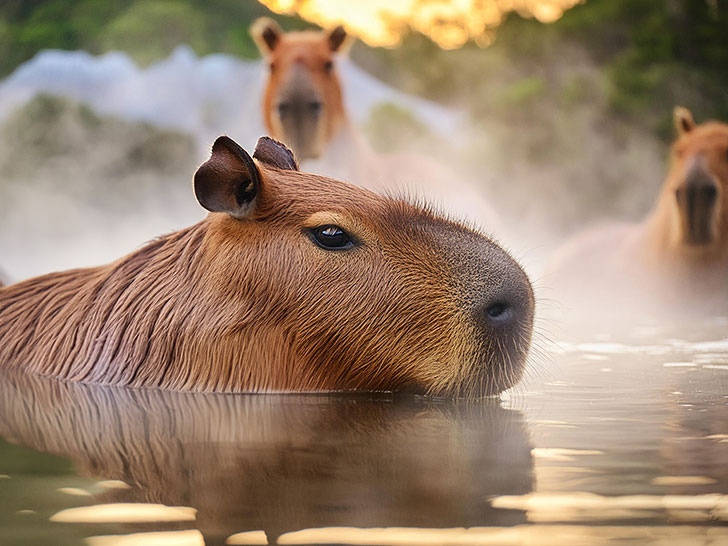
148 29
391 127
578 104
657 54
652 54
98 157
522 93
151 30
56 127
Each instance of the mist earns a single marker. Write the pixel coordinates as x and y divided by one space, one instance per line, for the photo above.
199 98
98 154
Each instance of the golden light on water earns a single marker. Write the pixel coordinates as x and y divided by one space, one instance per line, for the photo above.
191 537
124 513
523 535
449 23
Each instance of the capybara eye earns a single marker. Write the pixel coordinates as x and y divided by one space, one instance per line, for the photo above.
272 66
329 66
331 237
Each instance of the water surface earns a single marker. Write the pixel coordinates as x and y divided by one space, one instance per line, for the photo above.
608 441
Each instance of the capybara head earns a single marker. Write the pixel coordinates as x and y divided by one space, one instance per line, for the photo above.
371 292
699 181
294 282
302 103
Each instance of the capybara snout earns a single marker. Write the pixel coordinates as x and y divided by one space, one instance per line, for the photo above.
294 282
498 298
698 204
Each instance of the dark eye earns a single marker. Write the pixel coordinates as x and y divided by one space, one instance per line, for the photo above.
331 238
272 66
328 66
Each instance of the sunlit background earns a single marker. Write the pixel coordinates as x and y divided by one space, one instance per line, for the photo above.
449 24
558 111
530 99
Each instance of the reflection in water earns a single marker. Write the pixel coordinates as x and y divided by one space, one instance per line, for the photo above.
158 538
521 535
588 507
124 513
629 436
277 463
532 535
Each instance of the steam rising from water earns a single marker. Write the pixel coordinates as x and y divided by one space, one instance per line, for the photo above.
97 201
201 96
89 199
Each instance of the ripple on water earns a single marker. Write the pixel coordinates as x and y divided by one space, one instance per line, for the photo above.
580 507
519 535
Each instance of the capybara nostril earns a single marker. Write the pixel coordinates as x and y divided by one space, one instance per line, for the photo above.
709 192
504 321
697 203
284 108
705 193
504 303
498 311
508 309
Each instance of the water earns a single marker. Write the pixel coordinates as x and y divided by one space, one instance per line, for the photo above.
607 441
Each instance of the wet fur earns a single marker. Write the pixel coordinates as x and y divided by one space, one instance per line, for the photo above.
273 462
229 305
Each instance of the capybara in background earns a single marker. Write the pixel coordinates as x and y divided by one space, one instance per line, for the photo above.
677 258
303 106
293 282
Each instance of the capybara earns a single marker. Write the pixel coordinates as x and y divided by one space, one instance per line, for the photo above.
293 282
677 258
303 106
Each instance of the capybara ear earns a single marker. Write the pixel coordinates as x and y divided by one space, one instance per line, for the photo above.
339 40
228 181
274 154
683 119
266 34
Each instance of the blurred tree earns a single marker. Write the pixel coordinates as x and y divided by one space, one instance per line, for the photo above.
653 54
147 29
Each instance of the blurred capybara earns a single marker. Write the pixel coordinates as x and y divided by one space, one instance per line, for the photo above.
678 256
293 282
303 106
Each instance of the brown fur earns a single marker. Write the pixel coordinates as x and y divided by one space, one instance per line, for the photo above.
315 53
656 262
302 70
253 305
